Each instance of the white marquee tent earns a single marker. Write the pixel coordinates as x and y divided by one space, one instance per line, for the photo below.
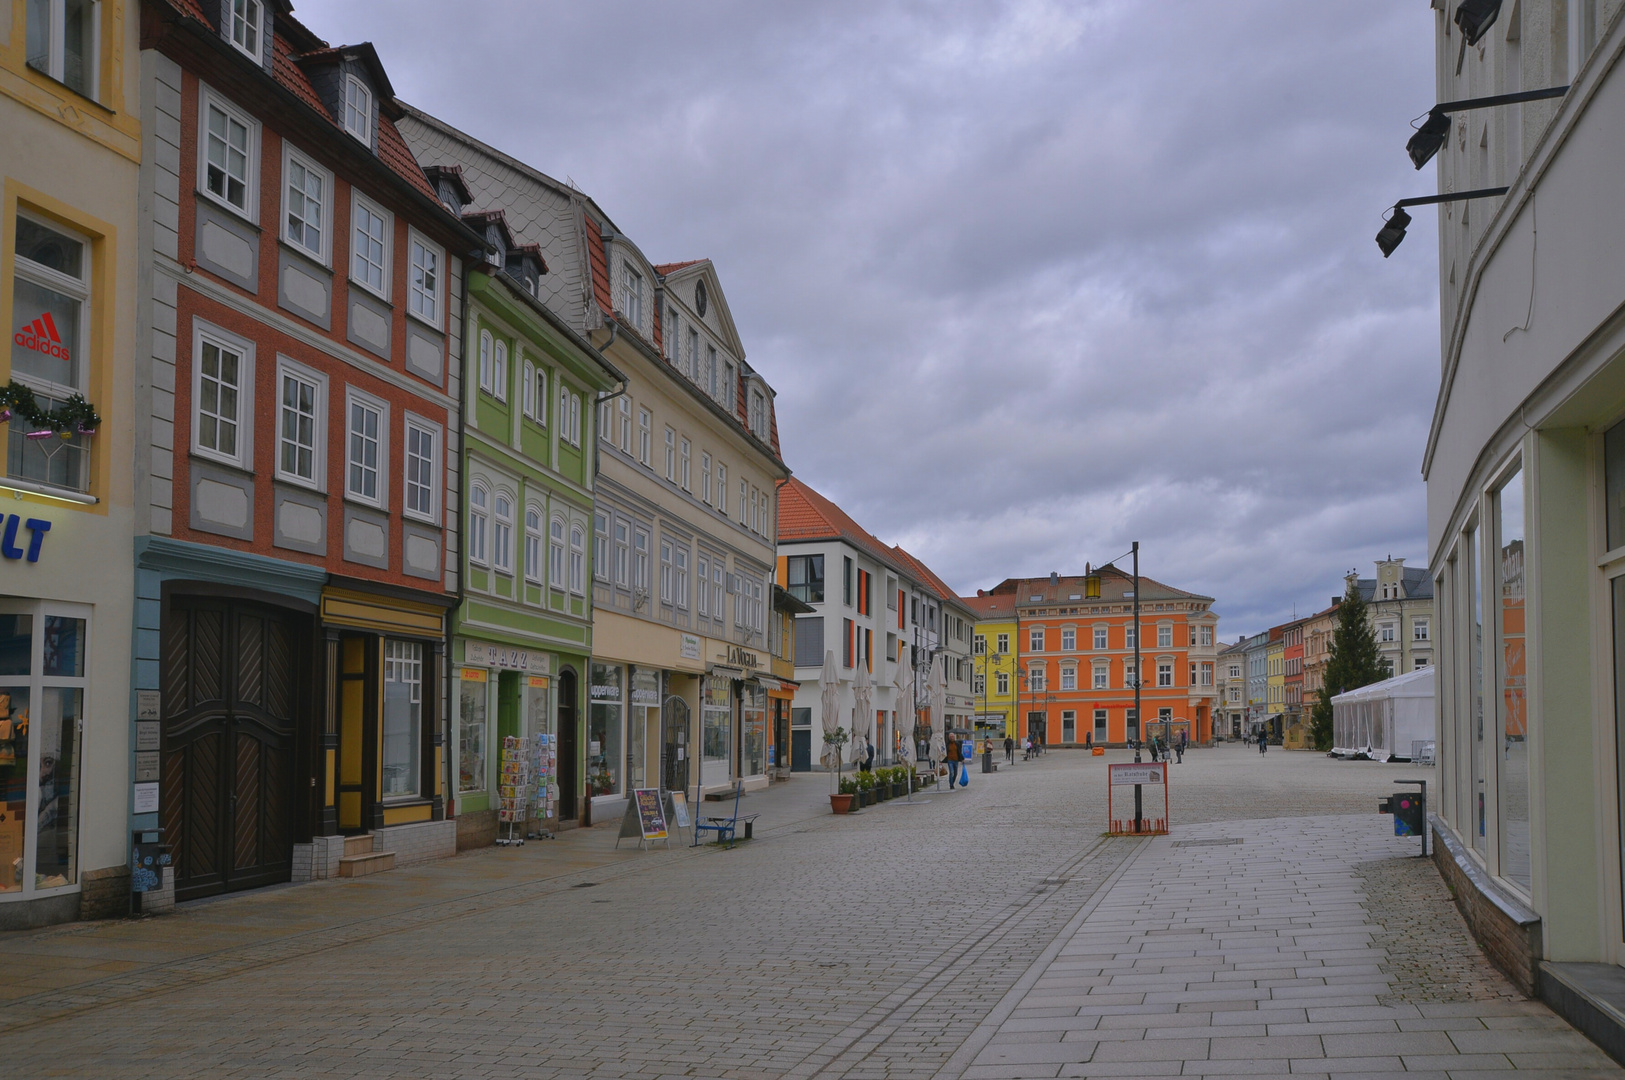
1385 720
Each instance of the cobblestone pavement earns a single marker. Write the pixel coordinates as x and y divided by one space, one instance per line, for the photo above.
899 942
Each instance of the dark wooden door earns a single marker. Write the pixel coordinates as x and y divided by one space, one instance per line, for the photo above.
233 676
801 750
569 744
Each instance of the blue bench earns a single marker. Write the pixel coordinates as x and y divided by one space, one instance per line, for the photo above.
727 827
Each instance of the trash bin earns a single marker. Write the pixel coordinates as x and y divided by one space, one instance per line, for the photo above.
987 760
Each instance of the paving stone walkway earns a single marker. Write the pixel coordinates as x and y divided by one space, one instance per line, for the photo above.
1251 948
988 932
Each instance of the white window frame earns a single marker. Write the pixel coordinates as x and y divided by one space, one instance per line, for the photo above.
1069 639
230 16
1165 635
414 241
1035 639
680 563
702 591
287 368
353 83
502 529
201 332
435 432
208 98
685 455
722 489
539 409
1165 673
705 477
1421 629
744 494
600 546
665 571
291 156
555 553
671 455
575 419
56 60
499 370
640 558
1100 678
352 398
527 393
645 436
479 523
487 345
1069 677
624 411
621 540
360 202
535 542
717 602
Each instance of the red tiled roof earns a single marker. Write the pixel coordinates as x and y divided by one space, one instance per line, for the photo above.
600 266
285 69
665 268
1065 586
806 515
927 576
991 607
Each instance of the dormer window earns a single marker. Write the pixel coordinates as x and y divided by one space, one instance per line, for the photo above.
758 414
358 109
632 295
243 27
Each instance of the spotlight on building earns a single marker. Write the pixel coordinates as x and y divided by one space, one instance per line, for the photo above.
1475 17
1429 138
1392 232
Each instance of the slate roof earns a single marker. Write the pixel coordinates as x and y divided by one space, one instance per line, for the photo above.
1414 579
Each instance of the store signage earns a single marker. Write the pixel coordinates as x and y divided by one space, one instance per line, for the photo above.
496 656
1134 774
37 529
41 336
690 647
472 674
742 658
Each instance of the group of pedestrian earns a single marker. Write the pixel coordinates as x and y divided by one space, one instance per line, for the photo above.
1161 751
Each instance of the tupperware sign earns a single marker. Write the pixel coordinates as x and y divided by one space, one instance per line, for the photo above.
41 336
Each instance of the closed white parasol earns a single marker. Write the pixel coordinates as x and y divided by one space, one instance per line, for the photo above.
863 714
904 720
938 688
829 695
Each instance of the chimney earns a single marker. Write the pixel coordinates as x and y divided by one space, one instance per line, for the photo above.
1054 577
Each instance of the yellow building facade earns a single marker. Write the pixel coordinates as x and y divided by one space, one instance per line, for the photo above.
995 685
1275 684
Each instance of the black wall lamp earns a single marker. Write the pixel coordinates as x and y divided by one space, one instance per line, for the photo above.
1475 17
1393 230
1436 125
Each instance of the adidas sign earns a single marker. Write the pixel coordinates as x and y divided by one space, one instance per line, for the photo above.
41 336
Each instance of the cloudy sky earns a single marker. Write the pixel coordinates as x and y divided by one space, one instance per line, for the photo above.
1032 279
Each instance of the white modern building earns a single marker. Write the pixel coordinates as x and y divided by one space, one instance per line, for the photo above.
1525 468
875 607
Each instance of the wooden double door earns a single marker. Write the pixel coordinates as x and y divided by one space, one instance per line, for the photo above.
236 682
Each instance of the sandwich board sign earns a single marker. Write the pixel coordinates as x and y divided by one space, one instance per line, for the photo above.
644 818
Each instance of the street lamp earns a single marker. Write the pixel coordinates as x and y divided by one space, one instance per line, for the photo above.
1393 229
1430 137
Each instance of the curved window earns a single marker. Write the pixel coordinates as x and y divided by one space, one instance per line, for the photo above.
502 533
555 554
533 544
485 359
499 372
578 560
478 522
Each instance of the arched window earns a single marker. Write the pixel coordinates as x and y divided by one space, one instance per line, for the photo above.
502 533
578 558
533 544
555 554
485 359
499 371
478 522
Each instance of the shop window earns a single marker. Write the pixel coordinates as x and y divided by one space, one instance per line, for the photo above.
604 729
62 40
1512 772
402 717
1069 726
42 698
51 298
1100 726
1478 763
471 727
716 732
752 731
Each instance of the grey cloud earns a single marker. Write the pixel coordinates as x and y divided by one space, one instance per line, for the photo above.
1033 278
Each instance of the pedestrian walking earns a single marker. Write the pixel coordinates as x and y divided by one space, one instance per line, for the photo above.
955 753
1088 740
1179 752
1263 743
1009 749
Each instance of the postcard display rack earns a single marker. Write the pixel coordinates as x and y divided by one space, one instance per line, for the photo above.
544 785
514 791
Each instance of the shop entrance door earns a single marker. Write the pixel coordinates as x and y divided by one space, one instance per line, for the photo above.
801 750
233 691
569 744
674 744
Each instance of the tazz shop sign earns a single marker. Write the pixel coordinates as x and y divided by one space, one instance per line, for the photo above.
37 528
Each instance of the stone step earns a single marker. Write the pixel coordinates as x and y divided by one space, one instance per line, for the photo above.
372 862
358 845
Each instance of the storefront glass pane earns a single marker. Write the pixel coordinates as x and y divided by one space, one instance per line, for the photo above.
64 647
14 733
645 710
1619 709
56 857
1512 778
538 717
403 714
716 733
16 644
753 732
471 732
604 730
1475 691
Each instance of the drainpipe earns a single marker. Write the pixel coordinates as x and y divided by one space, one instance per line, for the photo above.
455 516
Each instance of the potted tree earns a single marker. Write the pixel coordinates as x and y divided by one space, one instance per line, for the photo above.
899 781
840 800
